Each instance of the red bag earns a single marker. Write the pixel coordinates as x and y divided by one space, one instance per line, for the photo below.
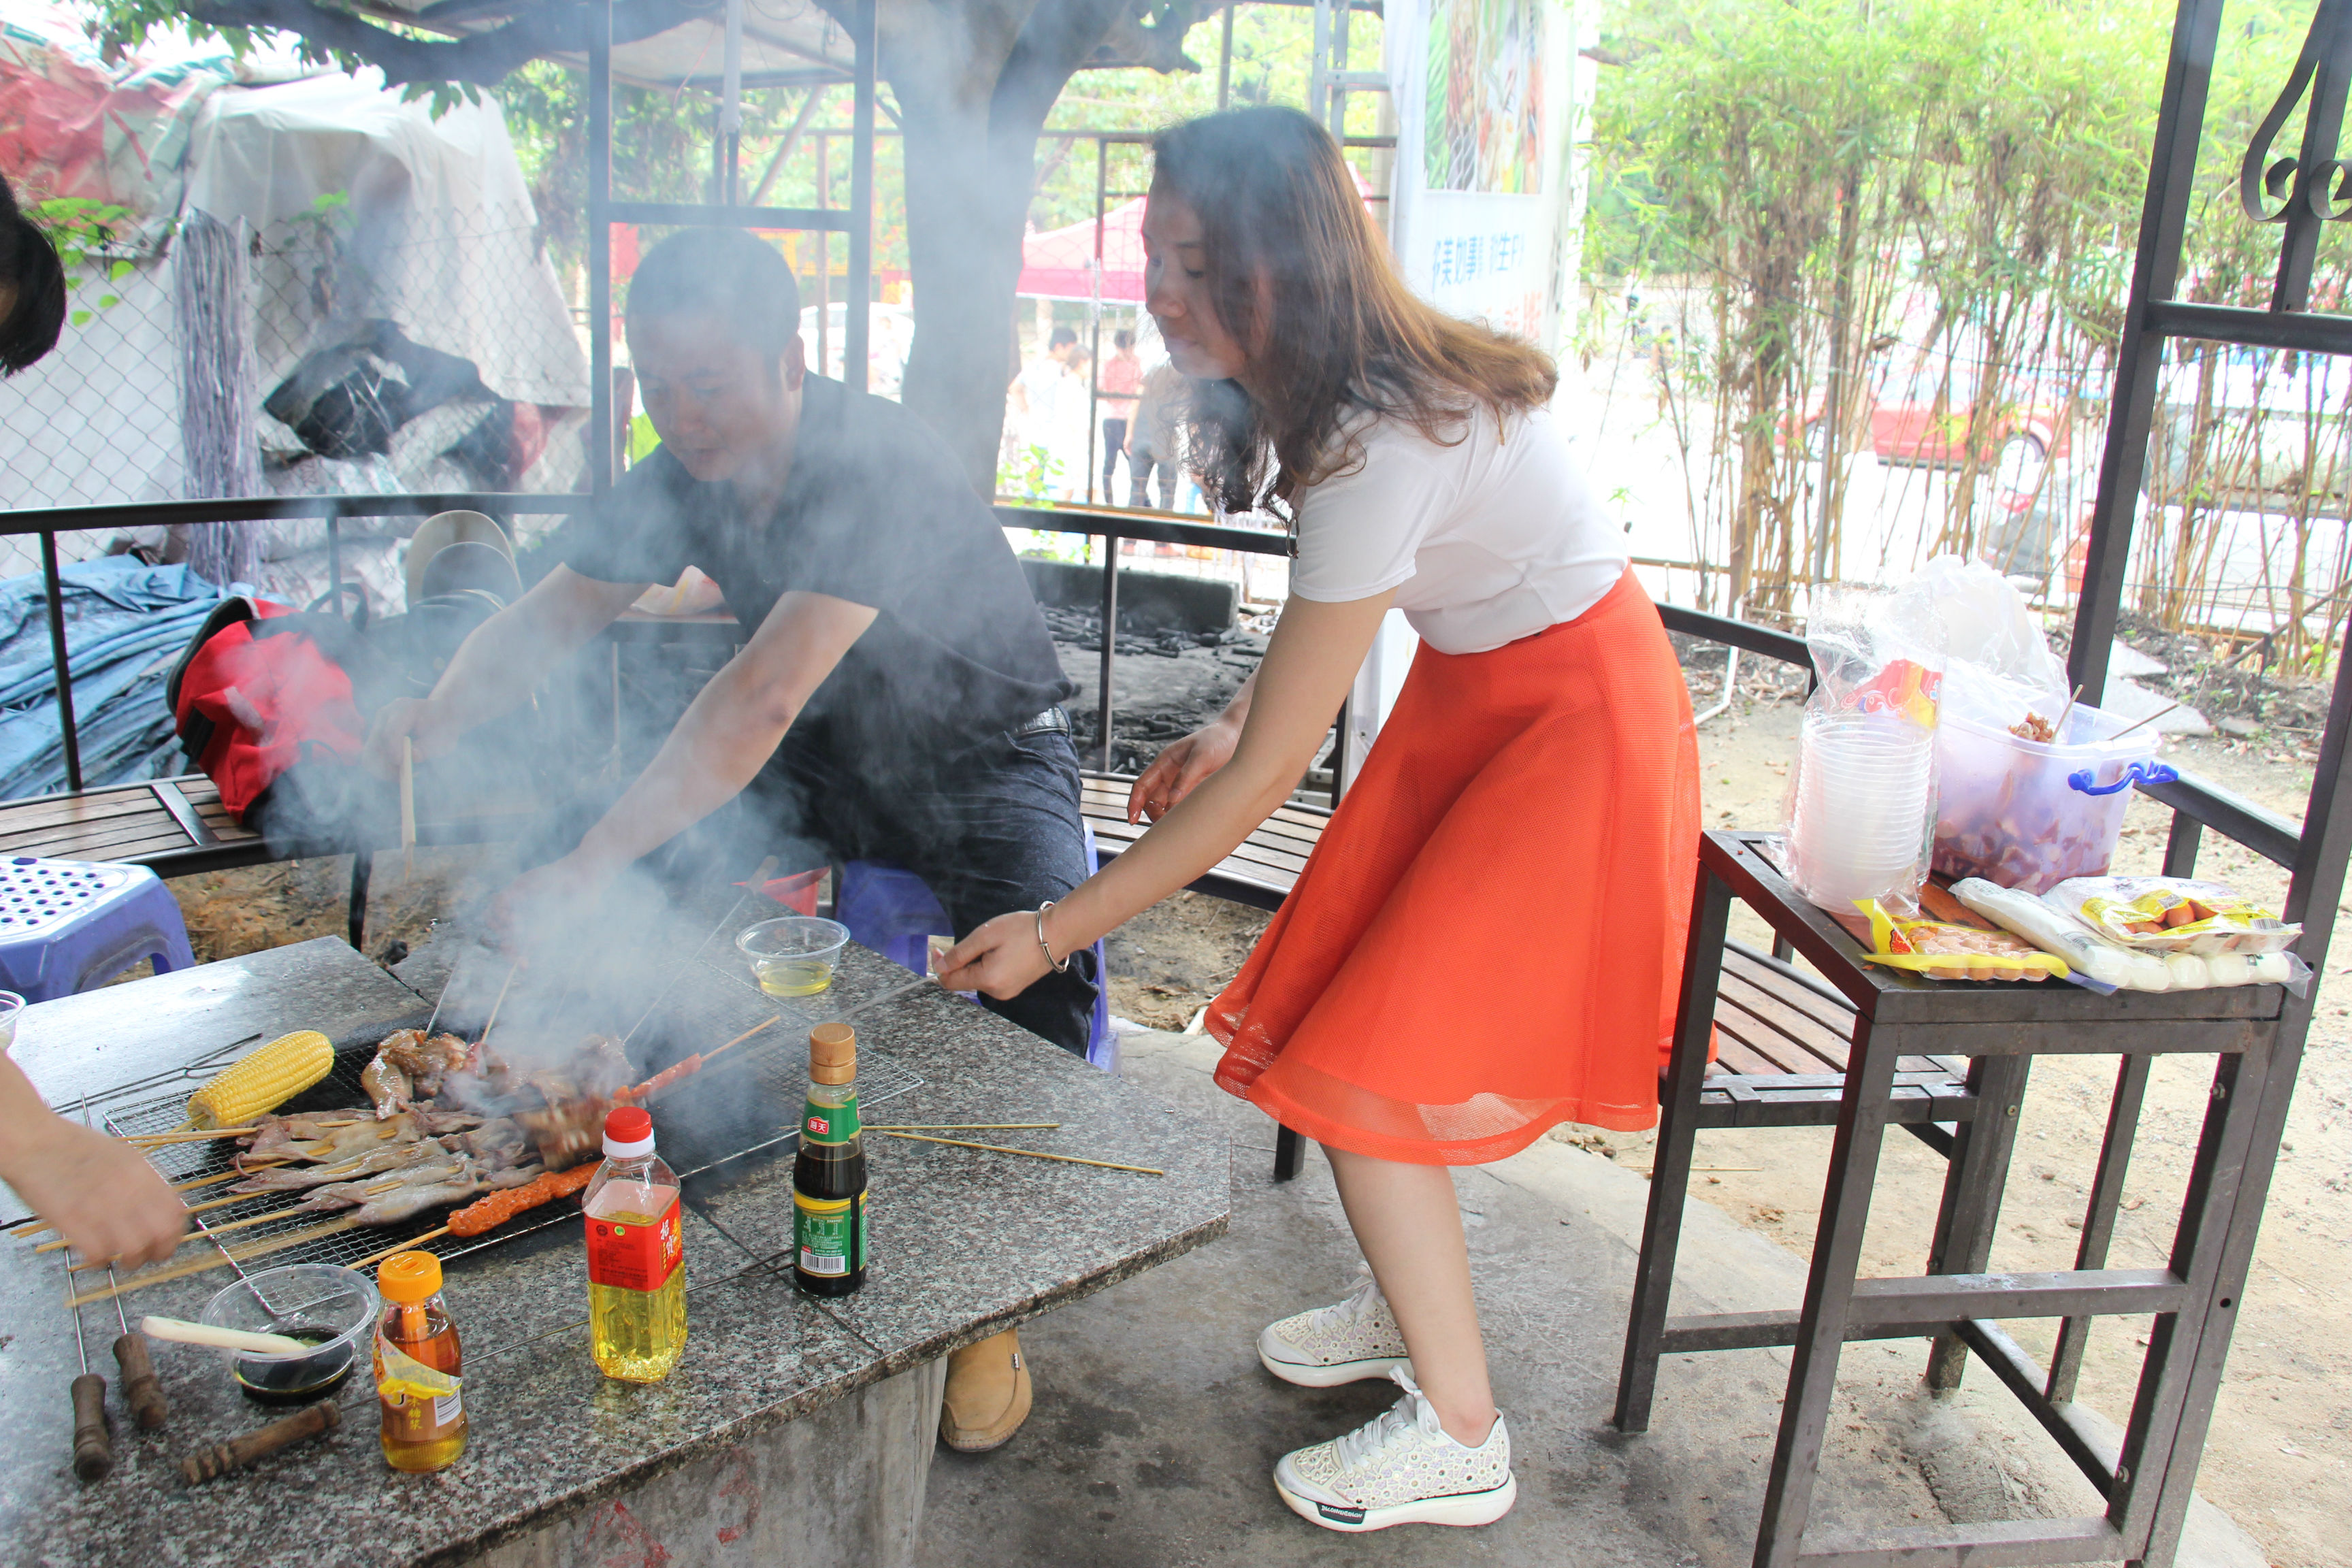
262 688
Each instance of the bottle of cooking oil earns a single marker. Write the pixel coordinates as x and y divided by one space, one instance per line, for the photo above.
417 1359
829 1177
636 1254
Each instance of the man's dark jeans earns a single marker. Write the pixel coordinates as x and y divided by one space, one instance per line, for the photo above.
992 829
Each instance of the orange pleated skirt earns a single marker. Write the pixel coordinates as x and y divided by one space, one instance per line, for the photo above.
1489 938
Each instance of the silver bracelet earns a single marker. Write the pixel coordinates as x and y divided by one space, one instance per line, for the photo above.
1063 966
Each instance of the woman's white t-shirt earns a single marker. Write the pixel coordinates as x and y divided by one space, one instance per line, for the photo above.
1487 541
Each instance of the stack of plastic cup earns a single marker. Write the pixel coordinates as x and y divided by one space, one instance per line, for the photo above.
1864 807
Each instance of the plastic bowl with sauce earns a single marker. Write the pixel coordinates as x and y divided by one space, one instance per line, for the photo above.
332 1310
793 956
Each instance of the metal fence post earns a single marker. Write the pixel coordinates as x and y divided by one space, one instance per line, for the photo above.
57 661
1110 639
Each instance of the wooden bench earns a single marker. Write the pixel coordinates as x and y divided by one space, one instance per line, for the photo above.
1260 873
175 827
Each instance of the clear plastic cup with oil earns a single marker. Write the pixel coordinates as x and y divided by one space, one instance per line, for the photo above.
793 956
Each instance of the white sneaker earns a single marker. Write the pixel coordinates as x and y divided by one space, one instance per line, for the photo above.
1348 1340
1401 1468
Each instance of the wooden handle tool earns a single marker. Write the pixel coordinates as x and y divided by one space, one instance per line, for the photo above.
207 1464
140 1391
93 1438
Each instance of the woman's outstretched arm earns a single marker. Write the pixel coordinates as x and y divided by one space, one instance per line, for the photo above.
1309 664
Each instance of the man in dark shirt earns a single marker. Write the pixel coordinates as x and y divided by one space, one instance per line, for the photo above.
897 697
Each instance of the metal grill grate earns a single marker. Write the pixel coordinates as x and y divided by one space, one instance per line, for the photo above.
705 1120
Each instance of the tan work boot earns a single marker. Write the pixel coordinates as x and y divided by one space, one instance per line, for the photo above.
988 1394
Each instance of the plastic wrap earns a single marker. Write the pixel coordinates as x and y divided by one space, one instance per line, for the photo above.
1862 795
2172 914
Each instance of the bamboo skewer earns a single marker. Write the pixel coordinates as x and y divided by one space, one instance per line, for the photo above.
2058 729
500 1001
207 1232
411 1245
165 1140
219 1259
407 809
772 1019
2149 719
967 1127
1033 1154
193 1208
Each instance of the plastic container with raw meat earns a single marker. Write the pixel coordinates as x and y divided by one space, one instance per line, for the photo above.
2031 814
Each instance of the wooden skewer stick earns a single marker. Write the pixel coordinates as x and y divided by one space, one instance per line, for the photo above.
968 1127
35 1226
772 1019
407 809
219 1259
500 1001
193 1208
411 1245
2058 730
160 1140
213 1230
1033 1154
2149 719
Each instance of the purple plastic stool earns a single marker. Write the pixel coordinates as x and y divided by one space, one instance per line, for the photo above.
69 925
890 909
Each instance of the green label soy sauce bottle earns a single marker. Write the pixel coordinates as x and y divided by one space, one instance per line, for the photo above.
829 1177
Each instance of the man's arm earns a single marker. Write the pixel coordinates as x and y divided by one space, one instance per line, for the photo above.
500 665
726 736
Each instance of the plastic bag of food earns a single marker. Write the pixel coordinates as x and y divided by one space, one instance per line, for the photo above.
2051 932
2127 968
1944 951
2172 914
1862 797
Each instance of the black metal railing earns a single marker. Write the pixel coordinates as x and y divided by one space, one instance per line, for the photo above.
1112 526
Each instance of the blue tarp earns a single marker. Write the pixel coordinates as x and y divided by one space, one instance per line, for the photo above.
126 624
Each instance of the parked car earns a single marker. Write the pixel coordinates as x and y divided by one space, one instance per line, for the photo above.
1921 407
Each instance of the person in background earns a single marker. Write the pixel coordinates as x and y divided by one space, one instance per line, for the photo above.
1038 384
1122 374
1066 424
1531 810
96 1192
1155 442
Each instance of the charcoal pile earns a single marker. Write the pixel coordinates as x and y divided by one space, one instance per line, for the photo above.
1165 685
1081 628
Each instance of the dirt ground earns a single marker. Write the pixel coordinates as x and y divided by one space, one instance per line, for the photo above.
2282 1441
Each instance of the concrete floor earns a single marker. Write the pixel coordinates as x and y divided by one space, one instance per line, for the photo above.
1155 1428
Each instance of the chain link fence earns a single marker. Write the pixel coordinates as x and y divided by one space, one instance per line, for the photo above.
408 352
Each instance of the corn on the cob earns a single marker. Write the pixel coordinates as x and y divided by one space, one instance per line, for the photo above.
263 1080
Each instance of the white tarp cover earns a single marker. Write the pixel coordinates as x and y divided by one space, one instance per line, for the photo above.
439 221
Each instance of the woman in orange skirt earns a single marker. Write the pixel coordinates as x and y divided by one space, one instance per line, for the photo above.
1488 937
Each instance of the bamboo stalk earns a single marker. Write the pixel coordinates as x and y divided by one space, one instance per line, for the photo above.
1033 1154
219 1259
411 1245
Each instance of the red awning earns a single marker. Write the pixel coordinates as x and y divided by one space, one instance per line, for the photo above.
1059 263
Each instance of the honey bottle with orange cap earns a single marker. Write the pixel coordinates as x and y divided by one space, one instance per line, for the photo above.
418 1362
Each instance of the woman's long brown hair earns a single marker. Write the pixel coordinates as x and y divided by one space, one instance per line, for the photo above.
1343 336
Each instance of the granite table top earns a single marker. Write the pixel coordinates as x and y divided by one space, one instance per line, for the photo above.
964 1244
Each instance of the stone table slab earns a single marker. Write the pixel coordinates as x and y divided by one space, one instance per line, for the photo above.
966 1243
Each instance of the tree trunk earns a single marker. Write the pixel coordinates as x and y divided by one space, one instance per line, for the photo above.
974 84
